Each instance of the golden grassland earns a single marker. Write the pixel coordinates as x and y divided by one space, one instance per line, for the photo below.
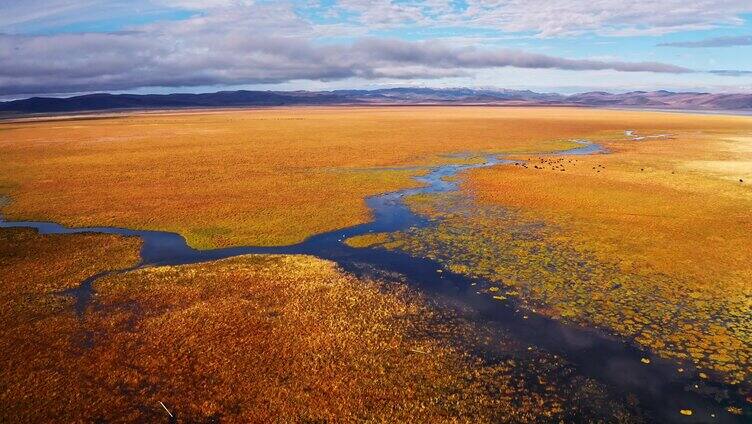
651 241
33 272
264 177
679 207
680 204
259 339
39 330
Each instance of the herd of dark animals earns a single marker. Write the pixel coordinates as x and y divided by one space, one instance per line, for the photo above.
554 164
558 165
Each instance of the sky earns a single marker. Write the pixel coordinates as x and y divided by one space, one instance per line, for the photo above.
68 47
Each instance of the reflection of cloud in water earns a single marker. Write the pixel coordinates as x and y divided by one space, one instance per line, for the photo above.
576 339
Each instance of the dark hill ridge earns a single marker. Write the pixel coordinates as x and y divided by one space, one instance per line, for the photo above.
666 100
104 101
638 99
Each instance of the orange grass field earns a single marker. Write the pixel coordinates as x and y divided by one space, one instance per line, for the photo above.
652 241
665 222
680 207
253 339
263 177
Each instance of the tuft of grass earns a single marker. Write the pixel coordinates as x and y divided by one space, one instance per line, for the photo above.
367 240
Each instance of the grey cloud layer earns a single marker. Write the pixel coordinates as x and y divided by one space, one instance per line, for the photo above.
731 72
745 40
549 18
542 17
436 55
229 43
86 62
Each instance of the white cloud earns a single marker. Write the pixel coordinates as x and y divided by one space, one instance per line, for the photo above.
744 40
194 53
549 18
234 42
546 18
204 4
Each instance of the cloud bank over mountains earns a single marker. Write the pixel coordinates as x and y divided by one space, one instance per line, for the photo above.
136 59
235 42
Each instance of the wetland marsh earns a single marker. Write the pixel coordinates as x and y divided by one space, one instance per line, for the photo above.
482 262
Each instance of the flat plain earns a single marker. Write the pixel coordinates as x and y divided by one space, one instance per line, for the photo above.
261 177
649 241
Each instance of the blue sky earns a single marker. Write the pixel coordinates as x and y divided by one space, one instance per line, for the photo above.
57 47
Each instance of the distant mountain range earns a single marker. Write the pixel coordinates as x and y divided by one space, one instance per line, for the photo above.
390 96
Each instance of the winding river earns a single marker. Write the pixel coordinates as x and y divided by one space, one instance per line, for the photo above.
615 362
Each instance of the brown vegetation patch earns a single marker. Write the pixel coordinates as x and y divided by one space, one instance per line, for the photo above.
35 268
40 337
274 338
